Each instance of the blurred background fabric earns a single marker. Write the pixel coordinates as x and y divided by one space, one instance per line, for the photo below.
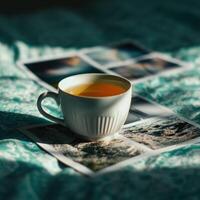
30 29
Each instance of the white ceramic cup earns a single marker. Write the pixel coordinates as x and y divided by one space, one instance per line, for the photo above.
90 117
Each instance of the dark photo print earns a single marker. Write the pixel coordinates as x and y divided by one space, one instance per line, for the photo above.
52 71
144 68
156 64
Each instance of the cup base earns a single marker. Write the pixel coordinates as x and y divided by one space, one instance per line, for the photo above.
97 138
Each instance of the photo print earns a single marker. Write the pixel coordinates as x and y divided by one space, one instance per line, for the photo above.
52 71
99 154
95 155
161 132
110 55
145 67
147 109
142 109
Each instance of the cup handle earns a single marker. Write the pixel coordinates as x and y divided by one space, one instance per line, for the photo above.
43 112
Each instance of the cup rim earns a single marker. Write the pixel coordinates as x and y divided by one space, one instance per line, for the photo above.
96 74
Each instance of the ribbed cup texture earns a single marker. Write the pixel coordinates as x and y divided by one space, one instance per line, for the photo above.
97 126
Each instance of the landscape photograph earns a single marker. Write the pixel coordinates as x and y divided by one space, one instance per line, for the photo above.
160 132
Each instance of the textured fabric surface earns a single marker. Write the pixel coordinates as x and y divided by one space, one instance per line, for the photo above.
27 172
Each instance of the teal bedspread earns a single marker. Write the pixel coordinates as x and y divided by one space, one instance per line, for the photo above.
27 172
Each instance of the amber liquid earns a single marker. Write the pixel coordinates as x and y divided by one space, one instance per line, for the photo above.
100 89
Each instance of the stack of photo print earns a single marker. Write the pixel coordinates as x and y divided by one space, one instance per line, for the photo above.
149 129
